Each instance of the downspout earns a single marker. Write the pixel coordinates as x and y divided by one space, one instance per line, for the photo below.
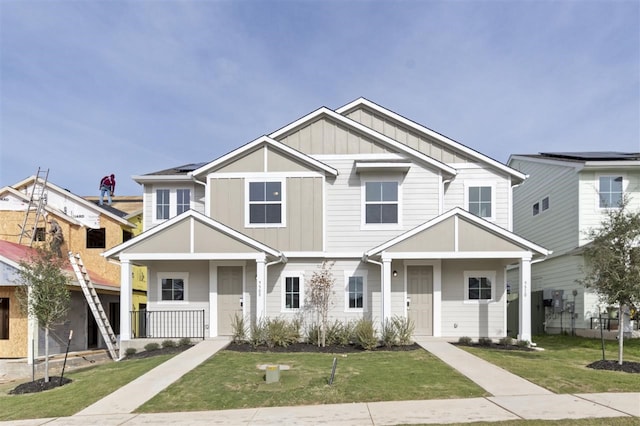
366 258
281 259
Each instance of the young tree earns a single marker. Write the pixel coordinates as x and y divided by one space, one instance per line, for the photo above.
319 297
612 262
42 292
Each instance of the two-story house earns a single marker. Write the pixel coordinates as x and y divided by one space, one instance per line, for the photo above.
418 225
565 195
88 229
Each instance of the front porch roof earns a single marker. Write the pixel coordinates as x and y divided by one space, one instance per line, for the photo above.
458 234
191 235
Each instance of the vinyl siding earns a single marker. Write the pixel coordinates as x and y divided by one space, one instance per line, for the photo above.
148 200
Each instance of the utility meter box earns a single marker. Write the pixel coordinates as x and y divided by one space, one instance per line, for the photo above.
272 373
557 300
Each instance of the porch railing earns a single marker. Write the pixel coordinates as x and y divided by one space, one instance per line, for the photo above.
167 324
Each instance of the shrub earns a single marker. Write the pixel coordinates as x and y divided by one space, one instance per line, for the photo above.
388 335
485 341
365 334
506 341
151 346
404 329
339 333
465 340
238 329
258 333
168 344
523 343
130 351
279 332
185 341
313 333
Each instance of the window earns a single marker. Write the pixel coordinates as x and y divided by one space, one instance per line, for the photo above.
4 318
479 285
545 203
162 204
96 238
355 292
292 293
126 235
265 203
480 201
610 191
381 202
536 209
183 200
41 234
173 287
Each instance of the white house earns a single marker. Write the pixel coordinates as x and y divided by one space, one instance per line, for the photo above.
419 226
564 196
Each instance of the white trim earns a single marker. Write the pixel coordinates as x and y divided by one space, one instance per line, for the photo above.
415 126
262 175
490 275
323 254
142 179
192 256
455 255
358 272
184 276
481 184
437 291
283 285
173 201
625 184
385 156
363 203
369 167
283 202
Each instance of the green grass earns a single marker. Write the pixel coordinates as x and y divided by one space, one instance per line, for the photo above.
232 380
88 386
562 366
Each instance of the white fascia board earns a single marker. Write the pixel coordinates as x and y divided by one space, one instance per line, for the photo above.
142 179
367 131
611 164
11 263
453 144
192 256
554 162
364 166
322 255
456 255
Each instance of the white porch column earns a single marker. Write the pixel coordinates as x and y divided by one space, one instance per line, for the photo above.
524 300
385 290
125 300
260 289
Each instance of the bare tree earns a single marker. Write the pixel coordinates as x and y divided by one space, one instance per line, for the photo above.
43 293
319 297
612 262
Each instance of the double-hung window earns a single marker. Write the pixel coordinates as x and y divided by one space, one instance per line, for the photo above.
162 204
183 200
173 287
479 286
610 191
170 202
265 203
355 290
480 201
381 202
292 292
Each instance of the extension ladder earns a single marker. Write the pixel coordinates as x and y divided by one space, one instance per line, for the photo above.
94 303
37 201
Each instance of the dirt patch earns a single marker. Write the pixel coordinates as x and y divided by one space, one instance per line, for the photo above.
306 347
627 366
39 385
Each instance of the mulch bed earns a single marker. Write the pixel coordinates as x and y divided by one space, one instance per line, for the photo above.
160 351
39 385
306 347
627 366
497 346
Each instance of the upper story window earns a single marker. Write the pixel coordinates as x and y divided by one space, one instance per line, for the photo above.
481 201
96 238
265 203
479 286
545 203
162 204
183 200
536 209
610 191
171 202
381 203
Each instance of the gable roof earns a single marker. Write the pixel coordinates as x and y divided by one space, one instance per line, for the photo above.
379 137
22 196
272 143
477 221
12 254
115 215
187 215
439 137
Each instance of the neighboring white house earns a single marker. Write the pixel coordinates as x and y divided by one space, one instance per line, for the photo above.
564 196
419 226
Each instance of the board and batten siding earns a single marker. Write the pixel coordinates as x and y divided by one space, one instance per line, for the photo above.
303 230
556 228
419 203
149 198
410 137
460 318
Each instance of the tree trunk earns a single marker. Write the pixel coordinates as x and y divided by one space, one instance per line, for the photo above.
620 332
46 355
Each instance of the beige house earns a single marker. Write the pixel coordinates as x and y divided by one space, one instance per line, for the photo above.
419 226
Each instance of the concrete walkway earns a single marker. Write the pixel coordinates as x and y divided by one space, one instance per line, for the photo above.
513 398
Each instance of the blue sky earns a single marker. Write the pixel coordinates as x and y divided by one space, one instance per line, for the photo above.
89 88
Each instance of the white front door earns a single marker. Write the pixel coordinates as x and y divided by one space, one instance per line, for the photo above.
420 294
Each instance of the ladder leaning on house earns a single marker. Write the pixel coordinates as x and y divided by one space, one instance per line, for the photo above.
94 303
35 208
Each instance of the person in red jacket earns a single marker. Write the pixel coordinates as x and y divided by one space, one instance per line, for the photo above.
107 186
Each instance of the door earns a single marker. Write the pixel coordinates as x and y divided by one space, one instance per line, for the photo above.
420 295
229 297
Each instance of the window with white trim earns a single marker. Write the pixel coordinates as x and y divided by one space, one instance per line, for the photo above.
355 292
173 287
480 201
536 209
292 292
610 191
545 203
381 202
265 203
183 200
170 202
162 204
479 286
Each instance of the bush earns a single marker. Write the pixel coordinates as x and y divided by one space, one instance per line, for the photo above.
465 340
404 329
313 334
130 351
151 347
365 334
238 329
279 332
168 344
506 341
339 333
485 341
258 333
523 343
185 341
388 335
